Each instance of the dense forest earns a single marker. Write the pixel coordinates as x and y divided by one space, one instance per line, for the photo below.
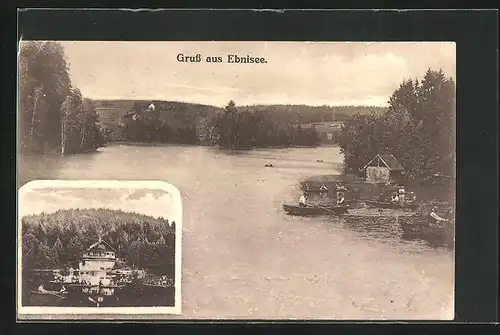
53 115
178 122
147 127
57 240
249 128
418 128
303 114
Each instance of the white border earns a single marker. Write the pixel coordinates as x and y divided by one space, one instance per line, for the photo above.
25 313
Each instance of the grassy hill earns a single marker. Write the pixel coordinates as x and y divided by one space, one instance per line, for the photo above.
111 112
116 113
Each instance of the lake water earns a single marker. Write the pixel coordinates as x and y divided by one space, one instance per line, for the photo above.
244 258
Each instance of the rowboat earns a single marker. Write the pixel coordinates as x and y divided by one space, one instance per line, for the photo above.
420 227
46 298
381 204
314 210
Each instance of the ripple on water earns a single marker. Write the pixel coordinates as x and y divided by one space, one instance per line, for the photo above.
384 229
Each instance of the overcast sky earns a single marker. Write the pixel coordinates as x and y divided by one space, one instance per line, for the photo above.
312 73
156 203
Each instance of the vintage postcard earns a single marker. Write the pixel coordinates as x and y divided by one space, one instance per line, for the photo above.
98 247
317 178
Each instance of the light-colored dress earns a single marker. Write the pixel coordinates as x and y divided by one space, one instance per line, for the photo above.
401 199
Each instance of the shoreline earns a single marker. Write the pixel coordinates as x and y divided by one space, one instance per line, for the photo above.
154 144
161 144
361 190
54 153
216 146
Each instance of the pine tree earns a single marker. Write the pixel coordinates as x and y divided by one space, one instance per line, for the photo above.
418 128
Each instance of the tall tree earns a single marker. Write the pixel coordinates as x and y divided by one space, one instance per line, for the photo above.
80 124
227 124
437 122
72 120
358 141
418 127
92 135
43 79
29 245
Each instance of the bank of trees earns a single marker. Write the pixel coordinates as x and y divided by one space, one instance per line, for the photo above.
57 240
418 128
138 131
249 128
50 105
231 128
145 125
80 123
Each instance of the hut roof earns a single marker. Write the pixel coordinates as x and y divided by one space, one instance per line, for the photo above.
100 242
388 160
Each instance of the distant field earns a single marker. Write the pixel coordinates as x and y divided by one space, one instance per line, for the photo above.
111 116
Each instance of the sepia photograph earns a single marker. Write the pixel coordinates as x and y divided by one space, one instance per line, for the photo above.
317 178
94 247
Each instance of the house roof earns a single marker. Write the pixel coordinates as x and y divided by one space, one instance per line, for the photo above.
100 242
388 160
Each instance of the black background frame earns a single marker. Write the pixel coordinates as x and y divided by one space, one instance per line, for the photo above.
474 31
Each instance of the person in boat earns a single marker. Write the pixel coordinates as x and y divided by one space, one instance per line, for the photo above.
411 198
381 197
340 188
303 200
434 218
340 199
401 195
394 198
323 190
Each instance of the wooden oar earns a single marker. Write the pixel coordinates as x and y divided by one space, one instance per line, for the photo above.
59 296
326 209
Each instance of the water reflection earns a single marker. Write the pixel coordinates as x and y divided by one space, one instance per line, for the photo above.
385 229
